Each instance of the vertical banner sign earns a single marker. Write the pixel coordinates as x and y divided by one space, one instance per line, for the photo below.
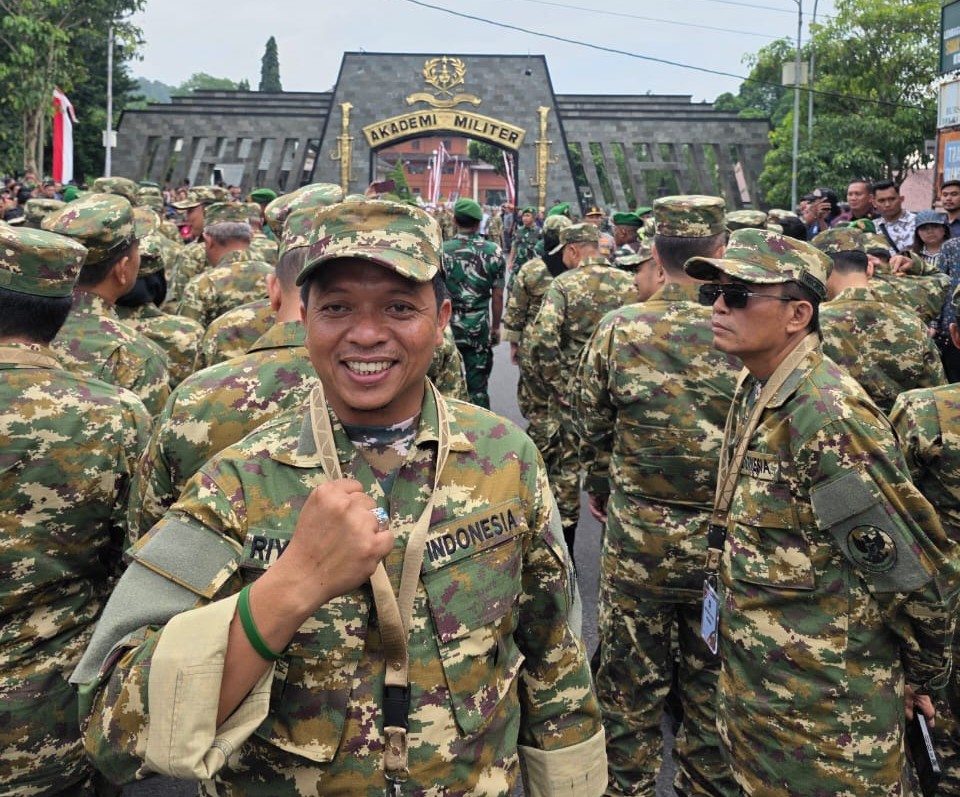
950 38
63 119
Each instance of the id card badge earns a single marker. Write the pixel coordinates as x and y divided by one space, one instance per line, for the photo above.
710 618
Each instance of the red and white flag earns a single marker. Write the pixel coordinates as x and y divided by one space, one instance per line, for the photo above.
508 177
63 119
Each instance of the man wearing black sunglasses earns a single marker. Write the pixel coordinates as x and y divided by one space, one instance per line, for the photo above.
838 587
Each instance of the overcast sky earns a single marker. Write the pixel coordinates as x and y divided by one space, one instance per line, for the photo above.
226 38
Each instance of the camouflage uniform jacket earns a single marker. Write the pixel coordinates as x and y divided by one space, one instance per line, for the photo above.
492 627
525 240
884 347
179 337
263 249
923 295
68 447
653 392
573 305
837 581
234 332
474 267
213 409
927 423
446 370
93 341
235 280
523 303
191 260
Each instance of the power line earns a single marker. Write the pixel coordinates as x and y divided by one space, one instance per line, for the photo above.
654 59
649 19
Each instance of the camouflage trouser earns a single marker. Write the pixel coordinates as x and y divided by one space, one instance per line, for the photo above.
946 730
477 365
562 459
633 678
536 409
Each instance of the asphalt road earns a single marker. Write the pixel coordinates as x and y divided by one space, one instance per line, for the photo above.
503 399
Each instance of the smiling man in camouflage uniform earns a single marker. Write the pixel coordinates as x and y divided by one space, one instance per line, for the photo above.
838 586
68 447
289 681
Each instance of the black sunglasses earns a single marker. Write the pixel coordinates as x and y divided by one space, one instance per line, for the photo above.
734 295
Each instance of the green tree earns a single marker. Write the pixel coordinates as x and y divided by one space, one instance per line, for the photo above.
270 68
488 153
874 103
201 80
35 47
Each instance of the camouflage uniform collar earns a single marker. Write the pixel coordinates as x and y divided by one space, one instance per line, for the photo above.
677 292
302 451
790 384
236 256
92 304
148 310
285 335
598 260
27 355
853 295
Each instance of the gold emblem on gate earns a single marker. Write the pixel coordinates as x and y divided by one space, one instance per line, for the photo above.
444 74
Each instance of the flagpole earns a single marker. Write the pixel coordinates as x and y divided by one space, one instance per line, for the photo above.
108 139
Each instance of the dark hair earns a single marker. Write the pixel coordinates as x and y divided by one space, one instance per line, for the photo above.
36 318
796 290
673 251
883 185
849 262
917 246
290 265
92 274
440 290
955 183
466 222
793 227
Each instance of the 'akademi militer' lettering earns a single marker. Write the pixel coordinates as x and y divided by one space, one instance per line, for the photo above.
481 126
475 534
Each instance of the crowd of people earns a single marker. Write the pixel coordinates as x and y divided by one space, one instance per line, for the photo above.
262 530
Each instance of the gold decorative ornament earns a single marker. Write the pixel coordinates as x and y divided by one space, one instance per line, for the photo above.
344 152
444 74
543 158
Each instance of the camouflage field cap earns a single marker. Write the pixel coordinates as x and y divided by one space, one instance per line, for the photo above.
38 208
38 263
577 234
254 211
101 222
202 195
121 186
627 220
554 224
765 257
145 222
225 213
296 230
690 216
315 195
395 235
469 209
745 219
152 250
839 239
874 240
634 261
779 214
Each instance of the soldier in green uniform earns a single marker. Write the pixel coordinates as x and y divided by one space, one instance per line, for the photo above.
884 347
287 681
93 340
233 333
572 307
261 247
139 309
69 445
837 584
653 392
474 272
192 259
523 303
234 278
626 235
524 241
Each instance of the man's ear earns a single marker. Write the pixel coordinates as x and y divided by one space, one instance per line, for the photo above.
121 271
801 312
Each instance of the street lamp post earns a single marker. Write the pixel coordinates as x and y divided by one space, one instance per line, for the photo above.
796 110
108 133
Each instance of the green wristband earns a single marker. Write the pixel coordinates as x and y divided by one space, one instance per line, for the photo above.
250 628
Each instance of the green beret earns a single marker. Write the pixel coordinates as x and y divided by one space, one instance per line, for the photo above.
577 234
397 236
70 193
529 209
38 263
224 213
690 216
101 222
315 195
117 185
627 219
562 209
468 209
643 210
263 195
864 225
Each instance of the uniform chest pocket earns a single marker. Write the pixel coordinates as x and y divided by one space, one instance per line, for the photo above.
473 590
766 541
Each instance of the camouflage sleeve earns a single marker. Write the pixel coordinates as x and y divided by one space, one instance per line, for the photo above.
498 268
932 373
153 491
148 376
446 370
545 341
917 426
193 301
515 316
559 708
859 481
594 414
